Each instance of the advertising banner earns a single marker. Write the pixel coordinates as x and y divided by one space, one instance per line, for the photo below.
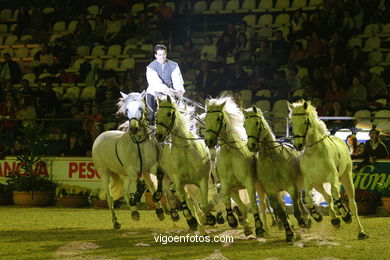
81 171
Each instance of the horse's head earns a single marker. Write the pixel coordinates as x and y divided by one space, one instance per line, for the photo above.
165 118
300 123
214 121
133 107
254 126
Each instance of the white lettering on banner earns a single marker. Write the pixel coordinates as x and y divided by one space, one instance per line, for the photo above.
64 170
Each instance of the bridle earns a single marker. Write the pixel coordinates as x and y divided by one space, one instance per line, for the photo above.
257 138
221 124
307 126
173 118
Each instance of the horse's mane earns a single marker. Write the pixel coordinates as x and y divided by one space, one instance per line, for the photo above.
235 117
188 114
313 116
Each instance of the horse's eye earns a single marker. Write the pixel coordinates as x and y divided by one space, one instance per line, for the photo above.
169 114
218 118
257 123
140 109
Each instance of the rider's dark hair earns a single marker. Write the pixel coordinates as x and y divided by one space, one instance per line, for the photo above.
159 47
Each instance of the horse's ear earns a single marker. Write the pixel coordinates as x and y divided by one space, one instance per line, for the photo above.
158 100
223 104
245 112
254 108
207 102
169 99
290 106
124 95
305 105
143 94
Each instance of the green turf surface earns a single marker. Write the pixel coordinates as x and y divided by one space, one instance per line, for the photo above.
58 233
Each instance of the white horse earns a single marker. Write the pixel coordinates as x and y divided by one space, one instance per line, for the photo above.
277 167
121 157
186 160
325 159
235 163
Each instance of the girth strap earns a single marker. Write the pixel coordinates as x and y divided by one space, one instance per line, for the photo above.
116 152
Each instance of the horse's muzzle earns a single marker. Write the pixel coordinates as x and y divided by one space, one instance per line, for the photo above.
253 146
210 142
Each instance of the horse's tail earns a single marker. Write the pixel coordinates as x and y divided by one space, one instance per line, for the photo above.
116 186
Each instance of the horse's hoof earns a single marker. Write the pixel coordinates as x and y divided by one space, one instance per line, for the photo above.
362 236
247 232
192 223
290 238
211 220
232 221
160 213
175 215
336 222
135 215
348 218
117 225
260 232
220 218
157 196
319 219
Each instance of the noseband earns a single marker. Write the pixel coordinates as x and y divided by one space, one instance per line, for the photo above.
307 126
257 138
220 124
168 128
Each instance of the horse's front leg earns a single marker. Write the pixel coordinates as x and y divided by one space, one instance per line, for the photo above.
204 202
152 189
172 206
242 212
130 190
282 215
300 213
310 203
191 220
251 186
334 219
226 199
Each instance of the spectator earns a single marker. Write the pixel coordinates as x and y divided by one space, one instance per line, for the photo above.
262 53
333 58
99 31
96 122
224 78
356 95
74 146
206 81
297 25
47 100
374 149
315 47
237 99
8 125
16 149
114 26
376 88
26 109
354 61
335 93
352 143
225 49
241 77
244 54
189 56
10 70
128 29
280 49
83 30
322 110
297 53
209 51
165 15
45 59
336 110
22 21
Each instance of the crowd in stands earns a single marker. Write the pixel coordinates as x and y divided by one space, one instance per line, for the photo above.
325 55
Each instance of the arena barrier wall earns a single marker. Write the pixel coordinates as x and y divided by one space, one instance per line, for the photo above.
81 171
